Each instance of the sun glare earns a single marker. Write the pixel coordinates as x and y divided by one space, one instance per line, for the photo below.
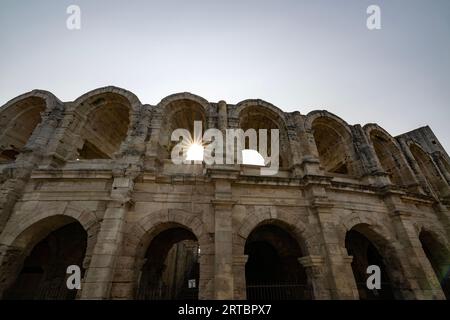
195 152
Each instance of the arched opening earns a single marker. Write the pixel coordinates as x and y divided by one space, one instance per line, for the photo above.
257 118
334 145
171 268
429 171
439 257
105 127
273 271
391 159
181 114
43 275
19 122
366 254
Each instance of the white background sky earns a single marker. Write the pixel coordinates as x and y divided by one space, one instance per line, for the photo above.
298 55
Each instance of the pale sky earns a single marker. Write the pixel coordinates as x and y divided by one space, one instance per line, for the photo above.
298 55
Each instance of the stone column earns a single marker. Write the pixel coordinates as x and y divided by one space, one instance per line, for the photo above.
223 233
347 279
65 141
206 281
371 168
426 188
100 274
152 148
420 278
11 261
341 284
309 162
223 115
315 271
223 245
240 285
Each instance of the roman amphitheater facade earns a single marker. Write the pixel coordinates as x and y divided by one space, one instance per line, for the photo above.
91 183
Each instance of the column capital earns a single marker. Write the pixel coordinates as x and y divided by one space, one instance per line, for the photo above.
314 265
240 259
347 259
223 202
311 261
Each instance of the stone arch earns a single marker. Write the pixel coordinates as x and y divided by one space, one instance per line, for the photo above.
82 103
152 224
139 236
386 246
292 224
104 119
178 111
164 103
22 235
390 156
276 112
334 141
377 232
278 243
436 231
429 171
259 114
437 250
20 118
316 114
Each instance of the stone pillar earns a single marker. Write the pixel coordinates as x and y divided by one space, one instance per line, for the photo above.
152 149
223 246
315 271
309 161
347 279
223 115
223 230
206 281
11 261
134 145
426 188
419 275
341 284
65 141
100 274
240 285
10 192
371 169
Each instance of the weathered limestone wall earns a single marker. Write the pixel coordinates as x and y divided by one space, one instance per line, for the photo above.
128 197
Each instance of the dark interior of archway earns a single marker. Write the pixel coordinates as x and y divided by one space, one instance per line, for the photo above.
272 271
365 254
439 258
171 267
19 128
331 146
43 275
105 129
257 118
